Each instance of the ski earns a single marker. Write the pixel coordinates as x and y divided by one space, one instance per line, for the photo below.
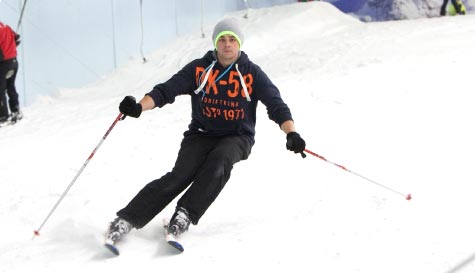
12 120
7 123
109 244
171 240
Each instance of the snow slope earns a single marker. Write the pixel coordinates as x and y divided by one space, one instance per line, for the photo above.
391 101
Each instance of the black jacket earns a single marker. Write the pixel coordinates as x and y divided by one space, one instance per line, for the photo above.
221 108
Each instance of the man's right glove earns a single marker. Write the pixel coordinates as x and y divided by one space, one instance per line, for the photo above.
130 107
295 143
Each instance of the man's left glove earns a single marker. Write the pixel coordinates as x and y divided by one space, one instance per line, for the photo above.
17 39
295 143
130 107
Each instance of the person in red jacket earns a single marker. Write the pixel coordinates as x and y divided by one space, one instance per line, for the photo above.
9 40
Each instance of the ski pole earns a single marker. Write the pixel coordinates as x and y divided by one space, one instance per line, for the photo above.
407 196
21 16
37 231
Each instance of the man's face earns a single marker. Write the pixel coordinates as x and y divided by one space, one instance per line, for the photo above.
227 48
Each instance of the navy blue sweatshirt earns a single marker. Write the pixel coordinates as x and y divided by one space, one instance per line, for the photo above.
221 108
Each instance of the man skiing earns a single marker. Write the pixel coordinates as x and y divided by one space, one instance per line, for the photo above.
225 87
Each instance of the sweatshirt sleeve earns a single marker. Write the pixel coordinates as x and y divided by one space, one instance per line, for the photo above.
179 84
269 95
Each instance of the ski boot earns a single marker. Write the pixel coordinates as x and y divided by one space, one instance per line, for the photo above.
117 230
179 223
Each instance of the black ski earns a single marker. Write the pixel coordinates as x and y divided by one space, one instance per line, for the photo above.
11 121
112 247
171 240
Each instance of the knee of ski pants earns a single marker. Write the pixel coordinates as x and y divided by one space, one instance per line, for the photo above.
232 151
171 183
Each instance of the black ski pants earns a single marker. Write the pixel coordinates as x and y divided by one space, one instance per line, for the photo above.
8 71
203 166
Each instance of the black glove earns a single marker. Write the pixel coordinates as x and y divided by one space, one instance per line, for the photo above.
17 39
130 107
295 143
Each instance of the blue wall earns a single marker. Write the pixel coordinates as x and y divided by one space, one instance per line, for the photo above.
348 5
70 43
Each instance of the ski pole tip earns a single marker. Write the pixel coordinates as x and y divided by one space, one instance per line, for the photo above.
408 197
36 232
